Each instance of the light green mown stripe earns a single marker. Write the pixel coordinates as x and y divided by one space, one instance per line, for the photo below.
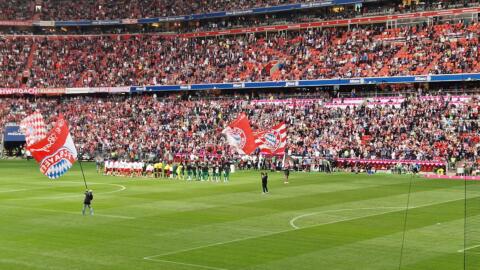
382 253
443 261
263 207
313 238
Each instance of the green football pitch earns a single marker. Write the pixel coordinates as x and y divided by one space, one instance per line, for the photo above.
318 221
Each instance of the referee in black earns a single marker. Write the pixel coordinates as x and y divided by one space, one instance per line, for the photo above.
87 202
264 182
286 172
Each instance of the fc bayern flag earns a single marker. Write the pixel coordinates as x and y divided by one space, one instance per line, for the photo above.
272 141
56 152
240 135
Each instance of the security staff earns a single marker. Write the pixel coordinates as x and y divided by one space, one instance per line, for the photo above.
87 202
264 183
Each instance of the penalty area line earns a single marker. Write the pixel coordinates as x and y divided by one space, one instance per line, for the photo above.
468 248
398 208
292 221
184 264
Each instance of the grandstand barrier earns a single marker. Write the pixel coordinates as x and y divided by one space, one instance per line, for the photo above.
92 90
342 103
12 133
32 91
314 83
212 15
385 164
453 177
253 11
245 85
63 91
332 23
16 23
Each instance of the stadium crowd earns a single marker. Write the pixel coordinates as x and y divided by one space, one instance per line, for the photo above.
16 9
239 21
71 10
149 127
126 60
14 53
314 15
106 9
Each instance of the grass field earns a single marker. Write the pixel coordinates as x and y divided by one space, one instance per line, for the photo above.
317 221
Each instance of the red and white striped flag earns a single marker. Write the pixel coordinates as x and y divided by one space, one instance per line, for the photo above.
272 141
53 150
34 128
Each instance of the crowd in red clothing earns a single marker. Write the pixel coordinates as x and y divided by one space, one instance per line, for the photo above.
72 10
14 54
121 9
16 9
49 10
124 60
59 10
151 127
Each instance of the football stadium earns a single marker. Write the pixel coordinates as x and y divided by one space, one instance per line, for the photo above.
240 135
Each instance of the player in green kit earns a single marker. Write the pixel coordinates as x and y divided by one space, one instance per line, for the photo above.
199 171
194 171
216 172
189 171
210 172
174 170
205 172
226 172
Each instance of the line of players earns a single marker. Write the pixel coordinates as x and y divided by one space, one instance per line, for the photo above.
199 171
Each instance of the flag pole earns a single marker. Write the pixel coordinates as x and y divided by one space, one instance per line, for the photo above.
465 222
405 222
83 174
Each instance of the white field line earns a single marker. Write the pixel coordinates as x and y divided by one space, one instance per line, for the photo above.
121 188
13 190
468 248
292 221
328 211
288 230
190 230
66 212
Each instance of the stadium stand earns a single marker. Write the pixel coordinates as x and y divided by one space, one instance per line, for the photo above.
16 10
102 10
308 54
102 17
147 127
155 127
14 54
61 10
55 10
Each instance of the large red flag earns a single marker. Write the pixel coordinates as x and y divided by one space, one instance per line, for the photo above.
240 136
272 141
